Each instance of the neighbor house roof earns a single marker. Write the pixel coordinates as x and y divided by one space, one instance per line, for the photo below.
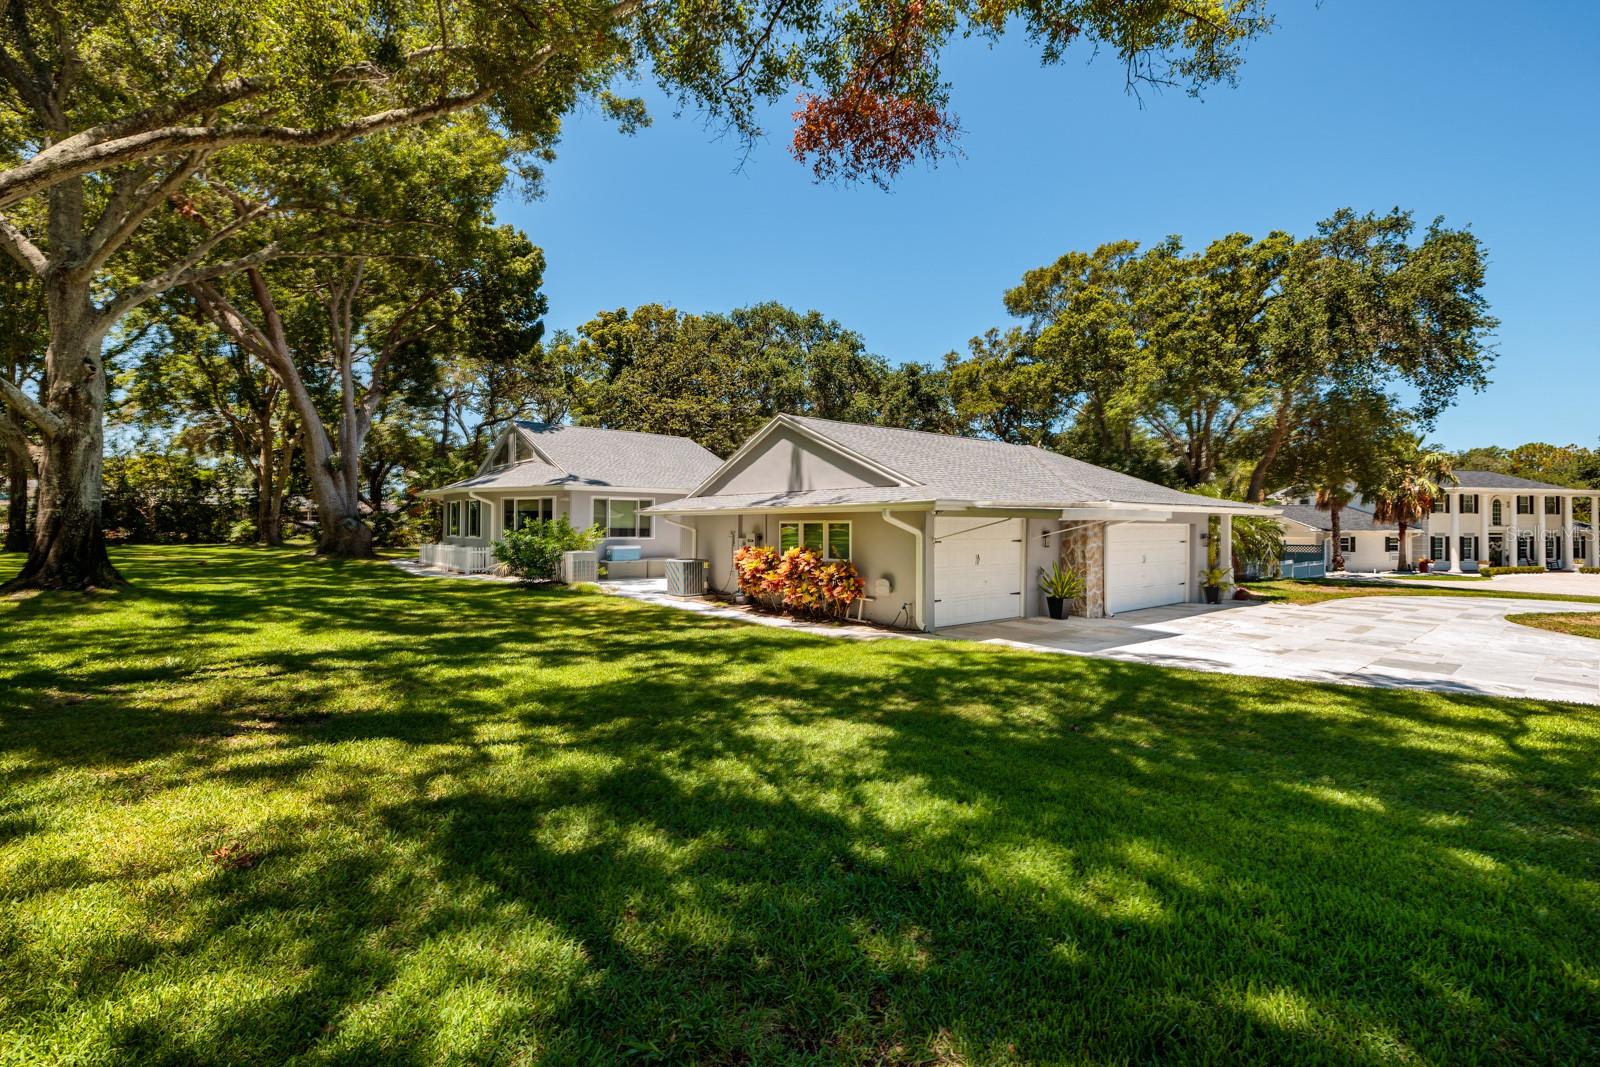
1351 520
939 467
1495 480
587 457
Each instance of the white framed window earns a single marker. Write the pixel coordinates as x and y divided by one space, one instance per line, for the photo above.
623 516
1552 505
474 519
452 521
1495 516
1391 545
1524 505
1438 548
519 512
1469 504
1441 505
1347 543
831 540
1469 546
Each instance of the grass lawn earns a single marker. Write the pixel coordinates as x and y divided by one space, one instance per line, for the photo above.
1317 590
259 808
1577 624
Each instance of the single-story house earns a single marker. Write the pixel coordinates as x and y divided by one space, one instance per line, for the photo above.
1367 544
950 530
1506 521
608 478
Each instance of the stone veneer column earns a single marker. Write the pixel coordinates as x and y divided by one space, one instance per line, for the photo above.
1083 548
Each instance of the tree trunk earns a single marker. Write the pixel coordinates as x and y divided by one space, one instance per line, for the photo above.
1275 439
1401 563
1338 537
17 509
69 548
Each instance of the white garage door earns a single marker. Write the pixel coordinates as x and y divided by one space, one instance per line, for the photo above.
977 570
1147 564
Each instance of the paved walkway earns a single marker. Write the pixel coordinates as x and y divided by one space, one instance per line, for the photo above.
1450 644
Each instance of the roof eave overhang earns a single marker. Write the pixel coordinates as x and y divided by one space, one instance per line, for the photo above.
686 507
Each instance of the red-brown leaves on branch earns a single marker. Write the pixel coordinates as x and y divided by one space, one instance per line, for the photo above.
861 133
885 115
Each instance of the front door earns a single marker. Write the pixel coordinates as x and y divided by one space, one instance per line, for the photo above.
1497 550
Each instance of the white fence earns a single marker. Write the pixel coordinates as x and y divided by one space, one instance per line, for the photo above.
461 558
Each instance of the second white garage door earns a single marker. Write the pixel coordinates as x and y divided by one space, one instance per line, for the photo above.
977 570
1147 565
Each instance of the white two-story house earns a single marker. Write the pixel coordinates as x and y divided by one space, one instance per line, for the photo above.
1503 521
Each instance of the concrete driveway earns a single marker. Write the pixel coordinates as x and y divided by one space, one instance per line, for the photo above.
1451 644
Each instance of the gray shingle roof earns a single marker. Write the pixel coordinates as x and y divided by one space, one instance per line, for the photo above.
590 457
1495 480
966 468
1351 519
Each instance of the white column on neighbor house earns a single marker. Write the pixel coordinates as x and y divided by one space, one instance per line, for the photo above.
1225 545
1453 502
1484 515
1538 537
1594 531
1569 519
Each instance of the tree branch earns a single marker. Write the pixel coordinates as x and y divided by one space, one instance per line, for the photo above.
130 205
48 423
183 276
24 251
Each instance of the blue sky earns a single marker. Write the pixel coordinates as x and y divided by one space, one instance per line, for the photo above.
1483 113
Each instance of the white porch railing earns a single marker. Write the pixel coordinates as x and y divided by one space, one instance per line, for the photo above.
463 558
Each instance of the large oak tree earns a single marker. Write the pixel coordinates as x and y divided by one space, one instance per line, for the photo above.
112 109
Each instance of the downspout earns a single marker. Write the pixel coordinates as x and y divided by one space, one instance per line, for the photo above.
694 534
917 535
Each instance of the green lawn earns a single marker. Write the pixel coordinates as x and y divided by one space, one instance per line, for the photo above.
259 808
1579 624
1317 590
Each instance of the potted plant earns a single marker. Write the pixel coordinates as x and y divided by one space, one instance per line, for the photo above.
1423 564
1212 580
1059 585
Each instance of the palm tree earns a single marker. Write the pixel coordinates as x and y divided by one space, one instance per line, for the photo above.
1410 486
1333 500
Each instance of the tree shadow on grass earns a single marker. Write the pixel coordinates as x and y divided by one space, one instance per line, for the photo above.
571 829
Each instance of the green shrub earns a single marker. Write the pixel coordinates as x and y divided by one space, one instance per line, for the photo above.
242 532
534 551
1490 572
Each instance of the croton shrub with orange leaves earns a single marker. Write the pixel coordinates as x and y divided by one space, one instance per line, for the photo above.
799 581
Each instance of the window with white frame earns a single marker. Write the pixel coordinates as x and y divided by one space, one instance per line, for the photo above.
1441 505
1552 505
1524 505
830 540
1469 546
452 519
474 518
1347 543
1469 504
1496 518
1391 545
519 512
623 516
1438 548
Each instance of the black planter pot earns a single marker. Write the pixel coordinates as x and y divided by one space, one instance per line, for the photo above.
1213 594
1057 606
